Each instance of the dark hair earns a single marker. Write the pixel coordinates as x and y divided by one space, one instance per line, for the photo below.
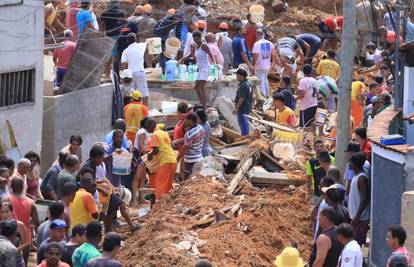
397 231
85 4
71 160
150 123
97 150
279 96
327 181
56 209
373 85
68 189
361 132
329 213
117 132
346 230
120 124
7 203
79 230
307 69
334 196
318 141
331 53
17 184
32 154
142 123
197 34
76 138
8 162
203 263
8 228
182 107
52 245
111 240
201 113
191 116
335 173
287 80
324 157
237 24
62 157
241 72
93 230
189 2
358 159
379 79
85 170
131 37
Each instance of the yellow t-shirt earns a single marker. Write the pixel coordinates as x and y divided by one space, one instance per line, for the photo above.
358 90
135 112
328 67
287 116
162 140
82 208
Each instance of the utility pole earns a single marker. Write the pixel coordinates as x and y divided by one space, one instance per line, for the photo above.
344 97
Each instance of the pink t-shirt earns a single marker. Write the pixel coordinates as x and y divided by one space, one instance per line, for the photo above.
264 49
64 54
310 86
404 251
71 12
215 51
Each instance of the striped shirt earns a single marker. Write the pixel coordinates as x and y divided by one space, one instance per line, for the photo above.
194 139
327 86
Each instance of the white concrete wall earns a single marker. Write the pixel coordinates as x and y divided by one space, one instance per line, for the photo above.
407 218
85 112
21 35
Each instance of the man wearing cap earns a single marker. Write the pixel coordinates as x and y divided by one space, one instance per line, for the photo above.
224 43
193 144
263 54
111 245
58 230
289 258
349 173
161 145
63 55
243 101
351 255
134 112
334 196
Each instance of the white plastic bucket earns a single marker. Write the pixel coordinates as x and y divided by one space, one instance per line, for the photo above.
154 46
320 116
121 163
169 107
257 13
172 45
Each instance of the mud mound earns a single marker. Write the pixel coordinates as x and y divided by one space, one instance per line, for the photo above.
180 229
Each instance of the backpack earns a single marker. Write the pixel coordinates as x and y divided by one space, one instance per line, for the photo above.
164 26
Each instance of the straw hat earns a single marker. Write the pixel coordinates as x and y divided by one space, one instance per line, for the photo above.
289 258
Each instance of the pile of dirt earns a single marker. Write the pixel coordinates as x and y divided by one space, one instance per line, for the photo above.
183 227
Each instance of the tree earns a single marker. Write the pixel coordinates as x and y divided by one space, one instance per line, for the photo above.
344 97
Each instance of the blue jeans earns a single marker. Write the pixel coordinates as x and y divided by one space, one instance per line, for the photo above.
243 124
60 73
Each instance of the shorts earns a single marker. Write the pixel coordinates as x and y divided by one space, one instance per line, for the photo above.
326 32
114 203
115 52
202 74
360 232
139 82
307 117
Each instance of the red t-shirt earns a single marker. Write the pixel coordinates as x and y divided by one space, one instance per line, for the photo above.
391 37
179 133
367 149
71 12
64 54
329 21
250 35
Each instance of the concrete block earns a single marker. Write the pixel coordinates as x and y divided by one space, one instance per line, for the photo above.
407 218
226 107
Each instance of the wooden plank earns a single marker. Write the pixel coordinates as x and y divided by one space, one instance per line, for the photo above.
217 141
273 124
272 159
239 176
88 62
271 178
231 134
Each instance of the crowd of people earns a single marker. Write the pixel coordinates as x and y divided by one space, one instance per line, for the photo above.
83 191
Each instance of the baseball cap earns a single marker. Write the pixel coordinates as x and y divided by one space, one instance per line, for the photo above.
397 259
136 95
339 187
353 147
58 224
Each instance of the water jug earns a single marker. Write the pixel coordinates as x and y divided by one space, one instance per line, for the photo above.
191 72
170 69
212 72
183 72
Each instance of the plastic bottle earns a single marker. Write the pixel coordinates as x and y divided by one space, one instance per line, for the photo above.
191 72
212 72
170 69
183 72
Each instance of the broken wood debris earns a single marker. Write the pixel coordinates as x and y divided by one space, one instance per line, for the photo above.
260 176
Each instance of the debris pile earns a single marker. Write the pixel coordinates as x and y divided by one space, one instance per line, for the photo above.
199 219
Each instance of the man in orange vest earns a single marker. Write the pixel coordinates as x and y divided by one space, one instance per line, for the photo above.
135 112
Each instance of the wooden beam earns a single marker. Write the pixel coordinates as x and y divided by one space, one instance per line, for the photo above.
239 176
273 124
272 159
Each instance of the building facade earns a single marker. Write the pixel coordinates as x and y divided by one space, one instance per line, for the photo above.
21 72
